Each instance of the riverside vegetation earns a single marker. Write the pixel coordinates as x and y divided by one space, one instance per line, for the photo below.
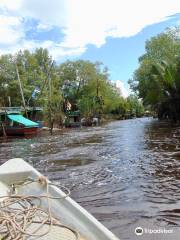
157 80
74 85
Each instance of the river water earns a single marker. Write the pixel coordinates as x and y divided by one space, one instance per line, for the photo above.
126 173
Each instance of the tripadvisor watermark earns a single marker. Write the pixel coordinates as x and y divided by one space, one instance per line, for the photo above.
140 231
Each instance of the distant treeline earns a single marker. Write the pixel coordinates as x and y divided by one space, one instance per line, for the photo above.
72 85
157 80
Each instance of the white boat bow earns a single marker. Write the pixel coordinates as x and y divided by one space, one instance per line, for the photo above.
64 208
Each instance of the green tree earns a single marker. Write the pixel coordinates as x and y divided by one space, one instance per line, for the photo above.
85 85
157 80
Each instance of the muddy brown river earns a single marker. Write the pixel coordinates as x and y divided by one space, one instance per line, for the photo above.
126 173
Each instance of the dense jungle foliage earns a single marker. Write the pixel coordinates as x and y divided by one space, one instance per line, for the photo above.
82 85
157 80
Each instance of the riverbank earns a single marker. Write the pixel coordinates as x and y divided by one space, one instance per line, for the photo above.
104 119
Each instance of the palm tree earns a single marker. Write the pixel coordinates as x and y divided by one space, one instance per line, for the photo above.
167 76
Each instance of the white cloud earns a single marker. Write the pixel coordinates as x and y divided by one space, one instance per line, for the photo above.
51 13
56 51
43 27
83 22
122 89
10 30
92 21
12 5
59 52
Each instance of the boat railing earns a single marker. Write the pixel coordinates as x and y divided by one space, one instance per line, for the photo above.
5 110
18 109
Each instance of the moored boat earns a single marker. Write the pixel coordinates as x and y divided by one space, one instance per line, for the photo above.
64 218
12 123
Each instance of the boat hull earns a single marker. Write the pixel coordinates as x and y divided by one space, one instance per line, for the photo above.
19 131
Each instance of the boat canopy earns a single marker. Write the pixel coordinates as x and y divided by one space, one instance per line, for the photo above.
20 119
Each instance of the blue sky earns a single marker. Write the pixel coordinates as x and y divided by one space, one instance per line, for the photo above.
121 54
111 31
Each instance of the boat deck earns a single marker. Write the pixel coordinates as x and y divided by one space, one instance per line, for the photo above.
59 232
39 201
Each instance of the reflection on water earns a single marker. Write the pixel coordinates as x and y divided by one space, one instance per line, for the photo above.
126 173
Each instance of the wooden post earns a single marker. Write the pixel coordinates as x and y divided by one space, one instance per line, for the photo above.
9 100
97 88
50 99
4 131
21 91
49 105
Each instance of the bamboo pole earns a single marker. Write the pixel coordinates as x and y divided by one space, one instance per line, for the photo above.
50 99
21 91
49 105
